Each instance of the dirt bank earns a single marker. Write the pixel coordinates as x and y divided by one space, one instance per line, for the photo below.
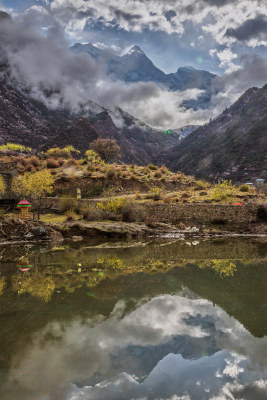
14 230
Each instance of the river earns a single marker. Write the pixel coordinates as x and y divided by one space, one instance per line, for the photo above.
159 319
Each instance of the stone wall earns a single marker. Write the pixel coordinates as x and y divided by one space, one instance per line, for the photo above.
175 213
8 171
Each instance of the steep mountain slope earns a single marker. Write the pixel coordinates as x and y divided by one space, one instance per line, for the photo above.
26 121
23 120
234 145
135 66
141 144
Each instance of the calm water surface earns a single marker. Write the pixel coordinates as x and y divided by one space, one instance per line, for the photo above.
137 320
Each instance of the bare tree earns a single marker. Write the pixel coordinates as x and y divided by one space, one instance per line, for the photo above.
108 149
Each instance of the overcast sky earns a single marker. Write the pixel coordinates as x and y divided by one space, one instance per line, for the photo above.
228 37
208 34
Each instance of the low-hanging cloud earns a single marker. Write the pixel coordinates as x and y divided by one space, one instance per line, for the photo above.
54 74
46 67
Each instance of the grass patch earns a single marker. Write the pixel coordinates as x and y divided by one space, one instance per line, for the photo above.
52 218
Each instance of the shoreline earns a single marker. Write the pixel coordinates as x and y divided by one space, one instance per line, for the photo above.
78 232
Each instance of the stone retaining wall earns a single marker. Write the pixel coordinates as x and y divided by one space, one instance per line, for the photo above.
175 213
202 213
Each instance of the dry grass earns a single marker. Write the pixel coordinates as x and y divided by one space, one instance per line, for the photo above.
71 163
52 163
52 218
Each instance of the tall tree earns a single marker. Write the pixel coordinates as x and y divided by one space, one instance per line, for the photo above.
108 149
34 186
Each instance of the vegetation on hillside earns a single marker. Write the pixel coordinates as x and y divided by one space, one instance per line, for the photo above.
120 189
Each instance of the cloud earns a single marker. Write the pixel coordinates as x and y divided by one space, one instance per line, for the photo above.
226 58
169 14
52 73
44 64
219 3
250 29
253 72
110 358
63 79
126 16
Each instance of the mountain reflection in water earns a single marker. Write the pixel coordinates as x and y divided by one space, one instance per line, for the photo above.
155 321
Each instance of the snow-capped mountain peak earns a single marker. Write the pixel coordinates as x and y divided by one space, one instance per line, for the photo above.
135 50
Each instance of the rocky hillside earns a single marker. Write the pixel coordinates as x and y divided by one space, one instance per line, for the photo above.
28 122
234 145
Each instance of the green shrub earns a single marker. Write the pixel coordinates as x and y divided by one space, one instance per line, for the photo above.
83 161
200 185
70 215
222 190
93 158
244 188
154 193
65 152
18 148
113 205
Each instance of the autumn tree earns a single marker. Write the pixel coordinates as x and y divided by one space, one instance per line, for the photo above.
92 157
34 186
108 149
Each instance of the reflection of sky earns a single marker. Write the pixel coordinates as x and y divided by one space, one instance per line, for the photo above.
169 346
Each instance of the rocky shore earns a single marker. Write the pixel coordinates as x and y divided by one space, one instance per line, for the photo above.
14 230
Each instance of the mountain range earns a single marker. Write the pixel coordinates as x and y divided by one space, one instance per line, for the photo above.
135 66
29 122
232 146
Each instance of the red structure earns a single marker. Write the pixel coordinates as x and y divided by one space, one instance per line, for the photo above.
25 209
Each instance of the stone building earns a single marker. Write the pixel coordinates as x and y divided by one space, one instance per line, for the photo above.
8 170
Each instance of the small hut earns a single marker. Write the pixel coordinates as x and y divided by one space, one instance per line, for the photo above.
24 267
24 208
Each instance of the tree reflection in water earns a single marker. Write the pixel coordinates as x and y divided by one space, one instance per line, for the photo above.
224 268
35 283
